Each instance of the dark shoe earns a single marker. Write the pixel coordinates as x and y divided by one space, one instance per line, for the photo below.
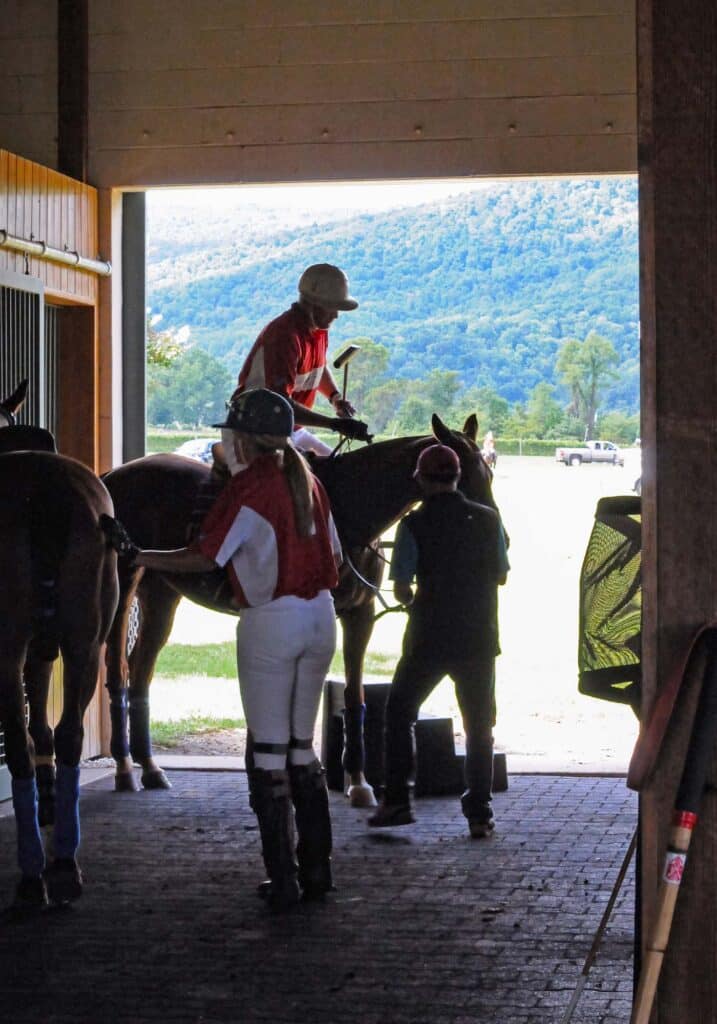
392 815
482 827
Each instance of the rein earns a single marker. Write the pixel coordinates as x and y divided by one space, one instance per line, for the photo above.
376 590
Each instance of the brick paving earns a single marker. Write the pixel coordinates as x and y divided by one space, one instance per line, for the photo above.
426 926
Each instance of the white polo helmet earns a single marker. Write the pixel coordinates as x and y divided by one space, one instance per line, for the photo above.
327 286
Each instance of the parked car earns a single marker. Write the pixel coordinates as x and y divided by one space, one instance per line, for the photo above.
199 448
591 451
633 469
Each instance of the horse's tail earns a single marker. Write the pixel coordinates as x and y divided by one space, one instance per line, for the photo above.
49 522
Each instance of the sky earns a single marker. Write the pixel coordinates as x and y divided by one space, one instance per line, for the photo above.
295 200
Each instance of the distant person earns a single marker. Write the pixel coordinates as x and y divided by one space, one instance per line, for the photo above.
455 549
289 357
271 527
489 451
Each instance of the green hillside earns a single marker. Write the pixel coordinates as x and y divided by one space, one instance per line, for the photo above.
486 284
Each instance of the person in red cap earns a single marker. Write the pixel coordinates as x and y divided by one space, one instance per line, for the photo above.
455 550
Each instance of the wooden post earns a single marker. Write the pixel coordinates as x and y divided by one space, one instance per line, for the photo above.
677 85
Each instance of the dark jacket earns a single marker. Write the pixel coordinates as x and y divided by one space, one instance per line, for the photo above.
461 559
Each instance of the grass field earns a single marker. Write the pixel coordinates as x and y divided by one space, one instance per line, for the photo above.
548 511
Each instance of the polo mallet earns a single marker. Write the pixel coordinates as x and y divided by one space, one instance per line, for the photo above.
687 803
342 360
590 958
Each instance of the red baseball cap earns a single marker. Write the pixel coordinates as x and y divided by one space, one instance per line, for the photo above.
438 462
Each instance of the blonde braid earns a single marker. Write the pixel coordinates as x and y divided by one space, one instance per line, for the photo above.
298 477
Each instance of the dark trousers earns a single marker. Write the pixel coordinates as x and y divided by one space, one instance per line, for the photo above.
417 675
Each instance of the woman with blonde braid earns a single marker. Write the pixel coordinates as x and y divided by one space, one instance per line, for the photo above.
272 529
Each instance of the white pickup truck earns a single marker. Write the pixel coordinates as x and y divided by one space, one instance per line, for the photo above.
592 451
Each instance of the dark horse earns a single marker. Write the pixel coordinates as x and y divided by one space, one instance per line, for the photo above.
155 497
59 594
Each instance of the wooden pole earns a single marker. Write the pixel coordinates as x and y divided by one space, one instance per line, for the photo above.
687 804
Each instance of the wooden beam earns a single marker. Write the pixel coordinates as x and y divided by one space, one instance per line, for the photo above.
677 126
72 88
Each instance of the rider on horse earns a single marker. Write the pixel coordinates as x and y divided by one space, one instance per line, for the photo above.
289 357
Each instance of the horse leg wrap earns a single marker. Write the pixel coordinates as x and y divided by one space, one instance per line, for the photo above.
30 852
313 823
272 806
67 812
354 754
45 778
119 741
140 739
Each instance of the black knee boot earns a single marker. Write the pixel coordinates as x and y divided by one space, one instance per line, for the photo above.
313 823
271 803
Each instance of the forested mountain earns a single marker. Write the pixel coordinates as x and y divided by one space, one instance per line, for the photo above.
485 283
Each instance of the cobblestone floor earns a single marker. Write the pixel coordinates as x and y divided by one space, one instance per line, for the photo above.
426 925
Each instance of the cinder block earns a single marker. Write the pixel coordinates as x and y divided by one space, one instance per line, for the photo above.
439 770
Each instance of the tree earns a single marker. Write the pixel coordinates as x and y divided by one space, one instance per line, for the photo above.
191 391
367 370
587 368
543 412
163 347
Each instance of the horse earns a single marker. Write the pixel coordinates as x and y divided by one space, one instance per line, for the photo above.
155 497
59 595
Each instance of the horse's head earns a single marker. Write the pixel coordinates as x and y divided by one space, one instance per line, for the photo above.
476 474
10 406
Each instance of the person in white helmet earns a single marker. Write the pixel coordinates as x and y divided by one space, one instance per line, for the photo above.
289 357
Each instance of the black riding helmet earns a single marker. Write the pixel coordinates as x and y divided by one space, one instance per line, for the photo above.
259 411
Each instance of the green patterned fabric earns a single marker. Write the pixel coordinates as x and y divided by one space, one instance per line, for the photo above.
609 651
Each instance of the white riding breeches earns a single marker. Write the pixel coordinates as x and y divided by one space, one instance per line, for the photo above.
284 649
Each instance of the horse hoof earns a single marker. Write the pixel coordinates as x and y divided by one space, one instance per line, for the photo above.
361 795
155 779
64 880
30 894
125 783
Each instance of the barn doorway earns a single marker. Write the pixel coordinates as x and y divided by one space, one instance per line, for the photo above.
234 288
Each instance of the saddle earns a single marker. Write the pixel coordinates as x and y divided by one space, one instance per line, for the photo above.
26 439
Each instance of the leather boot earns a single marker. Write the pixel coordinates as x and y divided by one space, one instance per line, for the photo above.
313 823
271 803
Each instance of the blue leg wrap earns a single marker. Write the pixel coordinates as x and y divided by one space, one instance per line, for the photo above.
354 755
30 852
140 739
67 811
119 742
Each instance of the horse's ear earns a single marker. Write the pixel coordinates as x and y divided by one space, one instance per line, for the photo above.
470 427
440 431
18 396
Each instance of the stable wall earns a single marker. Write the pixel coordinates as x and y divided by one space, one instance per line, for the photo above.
28 79
285 90
38 203
291 91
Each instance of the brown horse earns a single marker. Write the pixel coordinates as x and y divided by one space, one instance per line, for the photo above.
155 497
59 595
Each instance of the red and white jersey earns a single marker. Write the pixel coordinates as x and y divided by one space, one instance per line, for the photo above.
251 530
289 356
